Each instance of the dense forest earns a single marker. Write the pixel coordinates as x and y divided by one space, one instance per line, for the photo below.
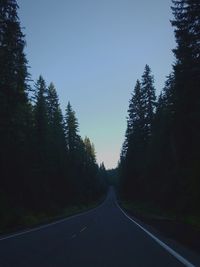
160 157
45 165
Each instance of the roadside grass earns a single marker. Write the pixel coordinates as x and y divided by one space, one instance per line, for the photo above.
151 211
19 220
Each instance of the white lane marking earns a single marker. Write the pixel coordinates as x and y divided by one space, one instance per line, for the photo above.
83 229
73 236
53 223
161 243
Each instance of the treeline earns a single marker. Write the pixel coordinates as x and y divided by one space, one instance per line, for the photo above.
160 158
44 163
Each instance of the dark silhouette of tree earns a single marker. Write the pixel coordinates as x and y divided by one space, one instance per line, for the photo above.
149 99
45 166
169 172
71 129
132 159
14 106
187 97
57 151
56 132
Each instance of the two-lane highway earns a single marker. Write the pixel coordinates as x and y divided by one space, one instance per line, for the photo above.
102 237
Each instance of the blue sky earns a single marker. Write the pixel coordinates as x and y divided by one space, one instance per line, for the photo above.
93 51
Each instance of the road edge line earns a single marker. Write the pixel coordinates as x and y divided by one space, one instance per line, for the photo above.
161 243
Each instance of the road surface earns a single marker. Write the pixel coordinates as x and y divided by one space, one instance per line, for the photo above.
102 237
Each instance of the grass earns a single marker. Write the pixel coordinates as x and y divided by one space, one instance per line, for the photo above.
19 220
150 210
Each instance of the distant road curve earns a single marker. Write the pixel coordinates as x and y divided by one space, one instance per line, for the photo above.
102 237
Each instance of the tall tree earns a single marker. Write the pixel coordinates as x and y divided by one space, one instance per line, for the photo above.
90 170
41 118
90 150
187 94
55 121
149 98
14 106
71 129
75 148
135 141
57 151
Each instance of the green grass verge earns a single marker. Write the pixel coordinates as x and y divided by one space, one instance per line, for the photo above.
151 211
13 222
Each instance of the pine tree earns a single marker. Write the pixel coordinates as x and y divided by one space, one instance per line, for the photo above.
71 130
76 152
56 147
149 98
187 78
186 127
90 150
135 141
55 120
41 118
90 179
14 106
136 122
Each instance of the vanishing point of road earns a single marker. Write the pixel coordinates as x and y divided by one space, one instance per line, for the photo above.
102 237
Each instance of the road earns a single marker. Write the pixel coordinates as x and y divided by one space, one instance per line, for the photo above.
102 237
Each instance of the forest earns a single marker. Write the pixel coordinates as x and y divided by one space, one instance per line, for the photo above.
160 157
45 165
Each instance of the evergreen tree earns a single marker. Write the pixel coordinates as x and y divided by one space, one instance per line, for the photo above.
75 148
90 178
57 152
135 142
187 78
90 150
41 118
14 106
186 127
55 122
41 140
149 98
71 130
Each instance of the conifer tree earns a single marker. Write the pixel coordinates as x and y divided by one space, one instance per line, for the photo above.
187 79
135 141
41 118
149 98
57 151
14 106
90 150
55 121
186 127
71 130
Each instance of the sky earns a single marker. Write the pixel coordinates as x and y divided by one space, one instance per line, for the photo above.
94 51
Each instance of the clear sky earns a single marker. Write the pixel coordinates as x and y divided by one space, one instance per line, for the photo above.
93 51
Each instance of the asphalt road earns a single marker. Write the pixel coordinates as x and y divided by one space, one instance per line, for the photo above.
102 237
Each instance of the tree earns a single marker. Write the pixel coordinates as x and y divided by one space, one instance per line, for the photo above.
57 151
55 123
14 106
187 96
135 142
90 150
90 171
71 130
41 119
149 98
